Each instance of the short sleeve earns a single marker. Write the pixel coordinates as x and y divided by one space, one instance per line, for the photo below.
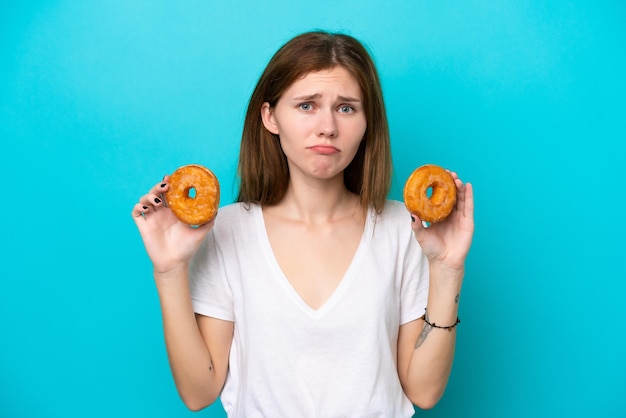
415 276
210 292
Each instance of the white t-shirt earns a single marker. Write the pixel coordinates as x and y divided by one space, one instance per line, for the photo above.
288 360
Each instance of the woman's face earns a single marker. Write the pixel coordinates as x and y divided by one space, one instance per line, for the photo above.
320 121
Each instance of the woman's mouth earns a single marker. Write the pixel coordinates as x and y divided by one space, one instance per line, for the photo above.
324 149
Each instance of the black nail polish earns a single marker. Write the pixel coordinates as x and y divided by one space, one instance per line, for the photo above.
164 184
412 218
157 200
145 207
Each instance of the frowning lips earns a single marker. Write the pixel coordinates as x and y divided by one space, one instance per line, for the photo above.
324 149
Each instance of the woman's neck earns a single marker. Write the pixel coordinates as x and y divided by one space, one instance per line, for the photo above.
320 201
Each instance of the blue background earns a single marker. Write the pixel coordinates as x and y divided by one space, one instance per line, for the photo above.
99 99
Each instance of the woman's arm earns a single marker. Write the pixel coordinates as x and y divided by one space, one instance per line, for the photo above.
425 352
197 346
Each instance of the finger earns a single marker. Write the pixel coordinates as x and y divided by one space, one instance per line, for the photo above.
160 188
151 199
459 189
468 209
164 188
419 227
460 197
140 210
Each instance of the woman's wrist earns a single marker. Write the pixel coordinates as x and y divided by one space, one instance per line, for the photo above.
446 278
445 269
444 292
172 284
171 273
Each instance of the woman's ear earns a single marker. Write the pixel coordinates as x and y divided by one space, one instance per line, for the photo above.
269 121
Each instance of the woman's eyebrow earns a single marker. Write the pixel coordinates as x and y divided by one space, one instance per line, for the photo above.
348 99
308 97
318 95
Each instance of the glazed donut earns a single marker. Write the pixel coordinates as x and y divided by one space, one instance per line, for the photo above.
442 200
201 208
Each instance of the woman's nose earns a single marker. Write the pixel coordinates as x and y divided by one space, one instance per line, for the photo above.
327 124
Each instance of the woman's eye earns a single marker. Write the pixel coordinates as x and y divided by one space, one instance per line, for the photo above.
306 106
346 109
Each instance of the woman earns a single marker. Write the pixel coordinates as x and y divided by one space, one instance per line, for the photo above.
308 296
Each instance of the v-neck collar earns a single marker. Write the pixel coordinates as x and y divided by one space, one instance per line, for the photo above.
284 282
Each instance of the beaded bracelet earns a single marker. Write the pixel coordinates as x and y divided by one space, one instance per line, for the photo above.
425 318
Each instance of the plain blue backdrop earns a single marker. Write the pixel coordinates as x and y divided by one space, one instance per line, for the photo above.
526 99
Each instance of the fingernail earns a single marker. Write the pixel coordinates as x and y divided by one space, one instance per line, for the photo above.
145 207
164 184
412 218
157 200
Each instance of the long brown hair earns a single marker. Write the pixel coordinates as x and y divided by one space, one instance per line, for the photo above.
263 170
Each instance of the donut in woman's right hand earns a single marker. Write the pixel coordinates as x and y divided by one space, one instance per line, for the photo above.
200 208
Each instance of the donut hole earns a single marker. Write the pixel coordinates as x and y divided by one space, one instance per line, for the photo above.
437 193
191 192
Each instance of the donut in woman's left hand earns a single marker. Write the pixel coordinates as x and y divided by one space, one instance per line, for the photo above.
442 199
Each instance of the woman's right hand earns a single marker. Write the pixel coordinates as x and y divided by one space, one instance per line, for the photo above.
170 244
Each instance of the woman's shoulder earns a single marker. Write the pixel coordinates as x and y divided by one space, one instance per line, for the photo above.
236 210
394 210
394 216
235 207
235 221
392 226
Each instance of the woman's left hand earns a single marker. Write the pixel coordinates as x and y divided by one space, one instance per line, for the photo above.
448 242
